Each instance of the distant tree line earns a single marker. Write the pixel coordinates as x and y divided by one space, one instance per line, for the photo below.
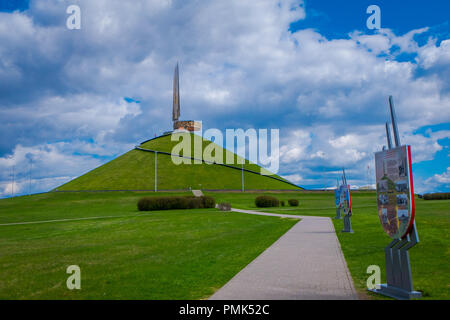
269 201
437 196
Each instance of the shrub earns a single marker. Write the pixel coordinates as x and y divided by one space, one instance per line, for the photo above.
194 203
143 204
266 201
437 196
224 206
208 202
175 202
282 203
293 202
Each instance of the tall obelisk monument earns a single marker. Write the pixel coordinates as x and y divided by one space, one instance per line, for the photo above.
188 125
176 96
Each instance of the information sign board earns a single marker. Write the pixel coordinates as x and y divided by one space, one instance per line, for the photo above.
395 195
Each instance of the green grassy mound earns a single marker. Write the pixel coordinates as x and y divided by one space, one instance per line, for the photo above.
135 170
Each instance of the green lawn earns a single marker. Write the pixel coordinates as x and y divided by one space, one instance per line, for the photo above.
429 259
184 254
188 254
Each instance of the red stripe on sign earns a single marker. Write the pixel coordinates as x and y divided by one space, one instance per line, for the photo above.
349 200
411 192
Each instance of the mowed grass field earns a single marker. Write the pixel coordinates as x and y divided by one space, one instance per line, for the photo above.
182 254
188 254
430 259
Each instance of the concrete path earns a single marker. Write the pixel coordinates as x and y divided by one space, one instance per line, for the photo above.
305 263
197 193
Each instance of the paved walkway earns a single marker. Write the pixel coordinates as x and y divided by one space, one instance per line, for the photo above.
305 263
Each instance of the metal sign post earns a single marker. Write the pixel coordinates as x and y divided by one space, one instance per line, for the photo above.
395 198
337 201
242 177
338 213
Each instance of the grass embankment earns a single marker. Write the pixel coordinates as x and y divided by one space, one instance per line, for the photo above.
180 254
135 170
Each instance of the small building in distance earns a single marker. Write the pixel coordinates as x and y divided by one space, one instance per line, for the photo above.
188 125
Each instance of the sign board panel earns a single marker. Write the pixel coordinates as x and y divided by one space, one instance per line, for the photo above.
345 199
337 197
395 195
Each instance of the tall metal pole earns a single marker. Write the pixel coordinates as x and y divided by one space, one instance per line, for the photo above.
31 166
242 177
156 171
13 180
388 136
368 177
394 122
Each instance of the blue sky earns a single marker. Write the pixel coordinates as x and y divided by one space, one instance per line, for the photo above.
13 5
70 100
335 19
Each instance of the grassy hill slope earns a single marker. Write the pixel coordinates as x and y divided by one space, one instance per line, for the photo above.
135 170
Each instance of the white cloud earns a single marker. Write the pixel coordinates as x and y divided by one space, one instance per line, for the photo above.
295 178
294 146
431 55
443 178
44 167
424 148
435 183
10 189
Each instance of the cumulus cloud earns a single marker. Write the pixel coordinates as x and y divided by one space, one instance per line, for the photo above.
442 178
295 178
433 55
44 167
439 182
241 67
10 189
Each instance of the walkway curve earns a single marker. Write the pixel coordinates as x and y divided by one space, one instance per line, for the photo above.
306 263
